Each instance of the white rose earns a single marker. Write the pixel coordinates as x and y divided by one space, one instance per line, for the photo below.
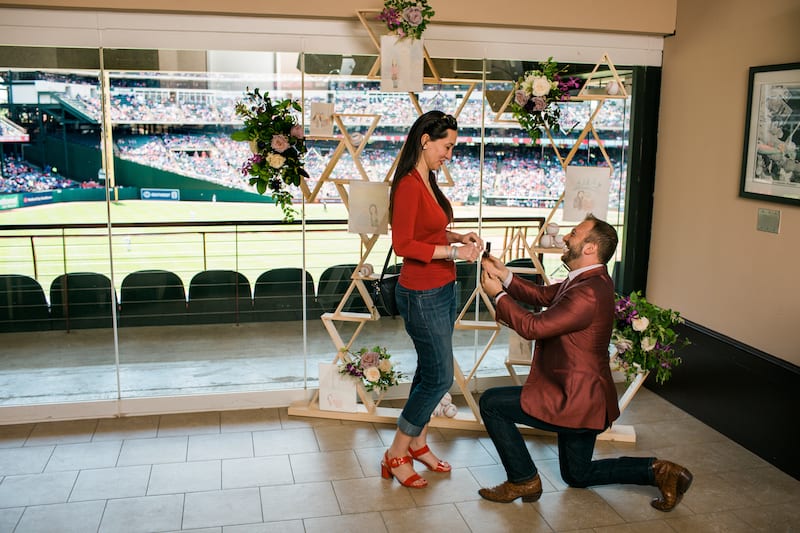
275 160
648 343
640 323
373 374
385 365
541 86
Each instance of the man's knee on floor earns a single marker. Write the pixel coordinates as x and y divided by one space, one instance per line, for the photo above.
575 478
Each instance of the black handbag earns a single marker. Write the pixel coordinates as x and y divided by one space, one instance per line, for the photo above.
382 290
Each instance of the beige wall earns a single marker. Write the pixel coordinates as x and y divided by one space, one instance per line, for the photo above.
706 257
641 16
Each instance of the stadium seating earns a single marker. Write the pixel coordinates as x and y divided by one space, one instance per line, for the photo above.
23 306
278 295
81 300
333 283
466 281
219 296
152 298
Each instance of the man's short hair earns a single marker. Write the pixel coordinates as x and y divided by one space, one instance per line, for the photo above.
604 236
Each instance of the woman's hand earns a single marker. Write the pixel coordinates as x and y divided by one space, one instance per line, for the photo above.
471 238
472 245
468 252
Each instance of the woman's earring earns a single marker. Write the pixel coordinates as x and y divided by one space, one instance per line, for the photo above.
425 146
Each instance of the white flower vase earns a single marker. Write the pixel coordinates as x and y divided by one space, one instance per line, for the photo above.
402 62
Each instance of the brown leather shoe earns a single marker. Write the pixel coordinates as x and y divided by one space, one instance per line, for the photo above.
672 480
507 492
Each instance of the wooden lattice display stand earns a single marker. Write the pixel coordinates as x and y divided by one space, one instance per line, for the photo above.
517 243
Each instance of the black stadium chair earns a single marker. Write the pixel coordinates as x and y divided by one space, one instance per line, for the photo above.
219 296
278 295
81 300
466 281
525 262
152 298
23 306
333 283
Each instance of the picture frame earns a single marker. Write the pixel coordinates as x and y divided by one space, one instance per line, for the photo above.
771 153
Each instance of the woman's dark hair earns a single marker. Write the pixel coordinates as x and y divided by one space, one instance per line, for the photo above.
435 124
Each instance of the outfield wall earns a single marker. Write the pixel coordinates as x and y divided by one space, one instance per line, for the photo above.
131 178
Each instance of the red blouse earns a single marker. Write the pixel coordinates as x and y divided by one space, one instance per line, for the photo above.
419 225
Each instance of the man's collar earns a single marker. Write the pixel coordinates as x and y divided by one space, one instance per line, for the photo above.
575 273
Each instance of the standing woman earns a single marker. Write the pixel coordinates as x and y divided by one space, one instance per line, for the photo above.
426 297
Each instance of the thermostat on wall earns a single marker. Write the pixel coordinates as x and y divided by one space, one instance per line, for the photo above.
769 220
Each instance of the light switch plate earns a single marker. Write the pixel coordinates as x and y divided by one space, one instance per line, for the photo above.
769 220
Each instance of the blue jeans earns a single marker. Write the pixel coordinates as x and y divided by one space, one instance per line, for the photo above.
501 410
429 317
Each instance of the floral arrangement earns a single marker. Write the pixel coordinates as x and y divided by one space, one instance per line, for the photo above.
537 95
372 366
277 143
644 337
406 18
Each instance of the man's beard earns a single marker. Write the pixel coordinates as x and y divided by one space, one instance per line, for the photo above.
572 253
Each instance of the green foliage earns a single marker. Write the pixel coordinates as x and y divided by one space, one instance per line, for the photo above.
406 18
536 97
644 337
278 145
372 366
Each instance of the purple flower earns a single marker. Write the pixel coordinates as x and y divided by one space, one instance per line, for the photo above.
391 17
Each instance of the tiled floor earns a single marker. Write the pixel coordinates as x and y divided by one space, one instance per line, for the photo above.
263 471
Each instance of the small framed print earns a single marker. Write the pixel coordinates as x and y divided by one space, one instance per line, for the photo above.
771 155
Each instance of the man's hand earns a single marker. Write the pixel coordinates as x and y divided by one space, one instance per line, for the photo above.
491 285
494 267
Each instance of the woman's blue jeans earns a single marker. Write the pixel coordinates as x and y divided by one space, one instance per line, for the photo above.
429 317
501 411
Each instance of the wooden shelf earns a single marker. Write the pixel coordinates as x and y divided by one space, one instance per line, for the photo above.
477 324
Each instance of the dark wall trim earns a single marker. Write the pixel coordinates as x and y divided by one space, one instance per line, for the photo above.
747 395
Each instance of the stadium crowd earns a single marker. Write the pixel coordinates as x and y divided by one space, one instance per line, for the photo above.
507 172
512 168
20 176
166 106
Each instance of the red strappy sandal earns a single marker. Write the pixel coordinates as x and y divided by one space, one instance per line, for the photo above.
441 466
414 481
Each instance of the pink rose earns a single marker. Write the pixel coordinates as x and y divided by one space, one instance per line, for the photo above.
297 131
413 15
370 359
280 143
520 97
539 103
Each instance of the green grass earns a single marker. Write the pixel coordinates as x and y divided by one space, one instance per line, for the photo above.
251 250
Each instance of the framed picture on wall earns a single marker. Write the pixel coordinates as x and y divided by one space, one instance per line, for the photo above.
771 156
